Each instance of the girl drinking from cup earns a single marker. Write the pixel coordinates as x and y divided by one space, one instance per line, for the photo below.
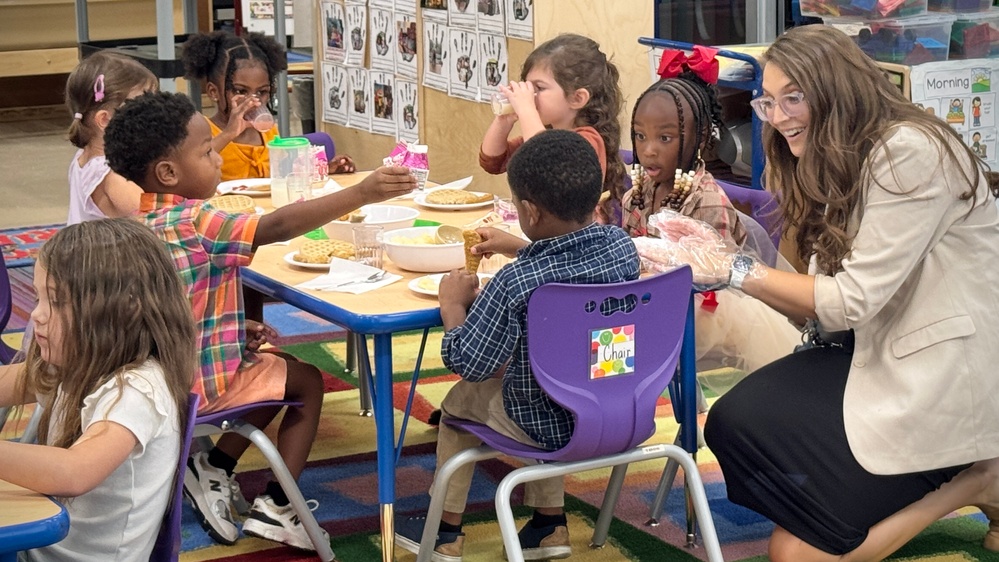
111 363
566 83
95 88
240 75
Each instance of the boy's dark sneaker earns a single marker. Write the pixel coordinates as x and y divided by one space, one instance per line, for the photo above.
546 543
435 418
409 533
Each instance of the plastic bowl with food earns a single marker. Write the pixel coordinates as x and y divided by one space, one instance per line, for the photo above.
390 217
416 249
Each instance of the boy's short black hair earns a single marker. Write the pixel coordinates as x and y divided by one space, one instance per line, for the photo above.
144 130
557 170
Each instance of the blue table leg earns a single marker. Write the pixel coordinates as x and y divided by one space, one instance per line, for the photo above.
385 432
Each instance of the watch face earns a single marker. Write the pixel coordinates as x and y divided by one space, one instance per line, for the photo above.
743 263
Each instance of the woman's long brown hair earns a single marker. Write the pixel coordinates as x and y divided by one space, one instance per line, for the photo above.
121 303
853 107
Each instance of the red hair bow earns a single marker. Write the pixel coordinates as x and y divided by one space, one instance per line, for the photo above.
701 62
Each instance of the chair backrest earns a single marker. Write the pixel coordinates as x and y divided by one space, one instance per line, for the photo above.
6 305
167 547
608 370
763 207
323 139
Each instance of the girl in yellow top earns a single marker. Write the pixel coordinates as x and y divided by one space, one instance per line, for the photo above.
240 75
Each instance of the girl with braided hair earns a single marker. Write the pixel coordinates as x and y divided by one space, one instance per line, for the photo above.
673 123
566 83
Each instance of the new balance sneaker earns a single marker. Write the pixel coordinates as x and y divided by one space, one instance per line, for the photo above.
276 523
546 543
409 533
210 492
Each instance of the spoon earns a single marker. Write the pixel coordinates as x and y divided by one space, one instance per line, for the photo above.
447 234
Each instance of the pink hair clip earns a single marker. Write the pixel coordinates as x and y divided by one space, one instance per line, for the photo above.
99 88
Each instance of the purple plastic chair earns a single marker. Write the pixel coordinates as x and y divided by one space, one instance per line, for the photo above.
225 421
763 207
613 414
6 352
167 546
323 139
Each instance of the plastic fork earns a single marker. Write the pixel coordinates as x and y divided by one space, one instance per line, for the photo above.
373 278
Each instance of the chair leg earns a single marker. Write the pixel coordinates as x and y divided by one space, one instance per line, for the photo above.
351 361
438 490
504 512
290 487
663 489
602 526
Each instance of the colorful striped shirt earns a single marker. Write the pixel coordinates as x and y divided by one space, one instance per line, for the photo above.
495 331
208 246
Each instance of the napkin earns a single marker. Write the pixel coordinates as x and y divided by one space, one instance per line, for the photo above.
346 271
331 186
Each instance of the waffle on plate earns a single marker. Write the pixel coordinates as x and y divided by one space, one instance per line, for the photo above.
321 251
233 203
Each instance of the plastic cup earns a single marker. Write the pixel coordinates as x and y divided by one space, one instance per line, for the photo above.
260 118
495 262
504 207
501 105
369 244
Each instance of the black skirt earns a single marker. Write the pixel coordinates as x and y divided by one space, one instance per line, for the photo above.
781 442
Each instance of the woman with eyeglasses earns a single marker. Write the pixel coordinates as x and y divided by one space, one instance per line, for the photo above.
887 418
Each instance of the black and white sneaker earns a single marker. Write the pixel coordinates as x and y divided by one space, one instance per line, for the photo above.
281 524
210 491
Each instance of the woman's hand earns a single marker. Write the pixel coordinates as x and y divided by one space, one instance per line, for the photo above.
496 241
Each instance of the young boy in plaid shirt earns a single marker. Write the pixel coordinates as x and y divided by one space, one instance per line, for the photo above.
161 143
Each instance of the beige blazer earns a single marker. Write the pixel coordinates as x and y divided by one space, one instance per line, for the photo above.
920 289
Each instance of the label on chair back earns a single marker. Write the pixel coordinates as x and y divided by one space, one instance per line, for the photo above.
612 351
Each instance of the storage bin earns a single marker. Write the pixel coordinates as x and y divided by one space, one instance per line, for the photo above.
906 41
975 36
959 6
866 9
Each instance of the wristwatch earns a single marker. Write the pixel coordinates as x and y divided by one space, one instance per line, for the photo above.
741 266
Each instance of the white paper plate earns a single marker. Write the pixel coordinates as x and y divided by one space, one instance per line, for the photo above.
290 258
456 184
236 186
421 200
428 284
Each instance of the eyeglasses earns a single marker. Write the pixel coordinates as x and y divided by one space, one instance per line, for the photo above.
791 104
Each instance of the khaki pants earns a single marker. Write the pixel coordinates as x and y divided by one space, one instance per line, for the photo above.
483 402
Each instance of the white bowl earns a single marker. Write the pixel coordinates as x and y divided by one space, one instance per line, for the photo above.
427 258
390 217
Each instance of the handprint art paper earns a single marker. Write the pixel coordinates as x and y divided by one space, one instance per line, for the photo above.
407 6
382 43
334 90
383 102
520 19
461 13
407 112
494 64
357 33
360 100
490 16
434 10
334 32
406 41
383 4
463 79
435 54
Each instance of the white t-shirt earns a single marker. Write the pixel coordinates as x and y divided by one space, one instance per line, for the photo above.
121 517
82 183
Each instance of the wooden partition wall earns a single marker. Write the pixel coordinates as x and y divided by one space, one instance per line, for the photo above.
453 128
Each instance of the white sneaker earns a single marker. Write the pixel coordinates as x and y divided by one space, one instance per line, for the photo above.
210 492
279 524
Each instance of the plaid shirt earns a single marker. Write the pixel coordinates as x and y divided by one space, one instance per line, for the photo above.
495 330
208 246
706 202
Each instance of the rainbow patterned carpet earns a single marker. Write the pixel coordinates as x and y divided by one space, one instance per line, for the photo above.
341 477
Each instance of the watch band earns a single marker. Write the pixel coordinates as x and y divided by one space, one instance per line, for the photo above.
741 266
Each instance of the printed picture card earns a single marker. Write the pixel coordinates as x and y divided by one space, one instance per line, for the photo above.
334 91
463 80
435 54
